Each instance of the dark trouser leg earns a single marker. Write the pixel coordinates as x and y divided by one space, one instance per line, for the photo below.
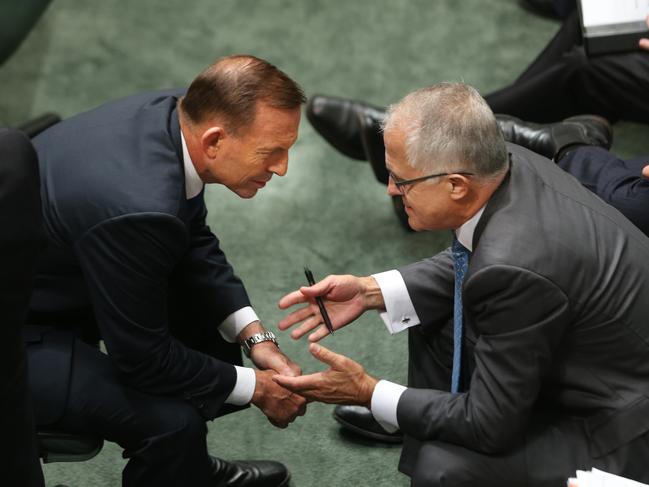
163 437
551 452
562 81
568 36
612 86
617 182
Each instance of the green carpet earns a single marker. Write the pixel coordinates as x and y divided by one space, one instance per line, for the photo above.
328 212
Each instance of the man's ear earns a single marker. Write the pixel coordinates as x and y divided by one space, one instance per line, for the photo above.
210 141
459 186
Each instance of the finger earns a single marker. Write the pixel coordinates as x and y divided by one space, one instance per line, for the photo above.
309 325
644 43
645 172
295 317
291 299
319 334
301 385
334 360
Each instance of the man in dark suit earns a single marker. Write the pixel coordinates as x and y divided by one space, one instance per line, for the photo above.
131 260
20 240
528 339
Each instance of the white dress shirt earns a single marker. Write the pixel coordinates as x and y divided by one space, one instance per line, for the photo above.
399 315
237 321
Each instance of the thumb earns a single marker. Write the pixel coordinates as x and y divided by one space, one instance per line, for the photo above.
281 379
286 369
645 170
320 288
334 360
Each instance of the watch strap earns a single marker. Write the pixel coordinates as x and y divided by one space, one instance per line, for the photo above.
251 341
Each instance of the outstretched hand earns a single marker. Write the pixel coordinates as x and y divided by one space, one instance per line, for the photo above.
345 382
345 297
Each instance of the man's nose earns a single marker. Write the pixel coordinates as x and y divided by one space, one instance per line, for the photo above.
392 188
280 167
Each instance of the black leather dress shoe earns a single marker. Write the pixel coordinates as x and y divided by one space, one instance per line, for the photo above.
551 140
359 420
260 473
373 146
340 121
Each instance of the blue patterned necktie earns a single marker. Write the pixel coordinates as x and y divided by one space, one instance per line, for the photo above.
461 265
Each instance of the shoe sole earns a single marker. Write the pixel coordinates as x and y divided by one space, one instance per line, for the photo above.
368 434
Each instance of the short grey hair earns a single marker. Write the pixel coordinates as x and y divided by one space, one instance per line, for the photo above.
449 128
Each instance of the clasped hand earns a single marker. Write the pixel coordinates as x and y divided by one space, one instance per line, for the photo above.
280 405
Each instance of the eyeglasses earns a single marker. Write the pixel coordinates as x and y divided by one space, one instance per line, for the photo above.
402 183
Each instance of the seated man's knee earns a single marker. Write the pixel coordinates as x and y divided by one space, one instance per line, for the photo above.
441 464
181 423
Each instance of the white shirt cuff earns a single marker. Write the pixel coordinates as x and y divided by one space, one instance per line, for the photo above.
244 388
385 400
236 322
399 311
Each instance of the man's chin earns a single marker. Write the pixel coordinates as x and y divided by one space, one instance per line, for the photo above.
245 193
414 223
414 226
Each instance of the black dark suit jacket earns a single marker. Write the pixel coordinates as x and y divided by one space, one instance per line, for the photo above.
122 238
556 304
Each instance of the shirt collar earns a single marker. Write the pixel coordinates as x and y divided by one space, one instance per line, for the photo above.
464 234
193 183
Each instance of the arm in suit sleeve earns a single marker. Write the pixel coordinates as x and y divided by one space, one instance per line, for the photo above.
430 284
520 317
205 273
127 262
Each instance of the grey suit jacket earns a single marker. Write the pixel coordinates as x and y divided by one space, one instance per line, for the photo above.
556 304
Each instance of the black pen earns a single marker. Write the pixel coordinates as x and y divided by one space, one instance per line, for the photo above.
318 299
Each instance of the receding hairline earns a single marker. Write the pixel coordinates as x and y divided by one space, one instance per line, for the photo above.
449 124
233 86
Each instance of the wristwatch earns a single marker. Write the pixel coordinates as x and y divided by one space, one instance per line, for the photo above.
248 343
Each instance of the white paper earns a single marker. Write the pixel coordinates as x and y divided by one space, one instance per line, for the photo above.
607 12
599 478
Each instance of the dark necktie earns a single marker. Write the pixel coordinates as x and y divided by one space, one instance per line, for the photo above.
461 265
